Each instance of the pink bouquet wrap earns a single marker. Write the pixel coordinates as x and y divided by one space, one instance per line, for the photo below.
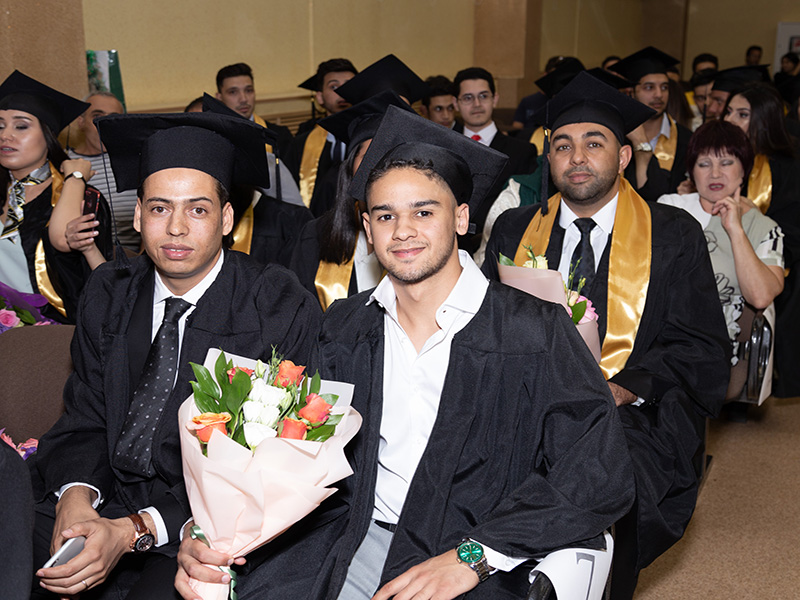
242 499
548 284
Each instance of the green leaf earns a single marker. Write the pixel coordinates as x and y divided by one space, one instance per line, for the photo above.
203 401
25 316
221 368
330 398
321 433
315 383
207 384
234 394
334 419
238 436
578 310
504 260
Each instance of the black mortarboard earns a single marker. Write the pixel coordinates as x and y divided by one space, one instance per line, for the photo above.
56 110
558 78
730 80
471 170
618 82
230 149
211 104
389 73
644 62
588 100
360 122
310 84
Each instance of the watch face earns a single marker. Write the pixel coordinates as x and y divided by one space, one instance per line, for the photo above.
144 543
470 552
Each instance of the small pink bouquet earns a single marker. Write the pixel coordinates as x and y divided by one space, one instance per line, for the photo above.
18 309
24 449
535 278
261 445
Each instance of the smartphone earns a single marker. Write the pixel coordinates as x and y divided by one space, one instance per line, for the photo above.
69 550
90 199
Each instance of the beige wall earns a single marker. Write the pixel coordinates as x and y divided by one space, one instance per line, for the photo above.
727 27
590 29
171 51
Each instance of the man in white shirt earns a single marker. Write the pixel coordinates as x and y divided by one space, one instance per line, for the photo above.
110 469
480 447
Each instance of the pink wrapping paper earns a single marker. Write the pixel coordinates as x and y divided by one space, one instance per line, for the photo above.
548 284
242 499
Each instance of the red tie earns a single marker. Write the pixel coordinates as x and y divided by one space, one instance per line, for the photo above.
476 137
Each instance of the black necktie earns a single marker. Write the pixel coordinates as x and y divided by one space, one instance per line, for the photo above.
583 257
134 450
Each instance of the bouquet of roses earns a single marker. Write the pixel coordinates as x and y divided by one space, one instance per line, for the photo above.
18 309
535 278
24 449
261 443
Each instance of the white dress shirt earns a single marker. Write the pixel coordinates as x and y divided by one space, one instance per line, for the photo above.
665 128
160 294
604 225
487 133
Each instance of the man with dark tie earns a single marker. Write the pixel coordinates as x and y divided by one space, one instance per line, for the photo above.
110 469
664 347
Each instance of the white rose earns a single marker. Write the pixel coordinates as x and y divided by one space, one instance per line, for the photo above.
540 261
266 394
255 433
256 412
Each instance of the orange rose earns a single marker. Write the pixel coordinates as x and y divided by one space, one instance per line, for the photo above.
289 373
292 429
316 409
204 424
232 372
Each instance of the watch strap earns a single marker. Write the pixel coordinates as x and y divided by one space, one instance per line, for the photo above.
139 527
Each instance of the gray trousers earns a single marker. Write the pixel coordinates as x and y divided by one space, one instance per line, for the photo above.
365 570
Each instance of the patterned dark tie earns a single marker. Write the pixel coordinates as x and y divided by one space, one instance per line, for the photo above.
583 256
134 450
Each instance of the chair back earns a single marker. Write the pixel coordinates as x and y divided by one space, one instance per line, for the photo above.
35 367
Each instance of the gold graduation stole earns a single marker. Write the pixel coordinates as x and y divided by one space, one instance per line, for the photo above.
43 282
759 185
666 147
628 270
537 138
243 232
309 165
333 281
259 121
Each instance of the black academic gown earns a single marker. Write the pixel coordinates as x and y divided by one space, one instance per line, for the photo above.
276 229
784 209
305 259
246 311
327 169
661 181
679 365
526 454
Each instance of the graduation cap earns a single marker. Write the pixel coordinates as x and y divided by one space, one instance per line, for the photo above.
618 82
211 104
558 78
586 99
310 84
471 170
51 107
730 80
389 73
644 62
230 149
360 122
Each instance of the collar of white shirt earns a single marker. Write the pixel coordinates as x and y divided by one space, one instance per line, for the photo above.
161 292
603 218
466 296
665 129
487 133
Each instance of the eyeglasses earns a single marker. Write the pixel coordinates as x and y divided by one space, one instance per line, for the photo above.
470 98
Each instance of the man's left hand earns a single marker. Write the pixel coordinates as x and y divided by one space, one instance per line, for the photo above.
441 578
